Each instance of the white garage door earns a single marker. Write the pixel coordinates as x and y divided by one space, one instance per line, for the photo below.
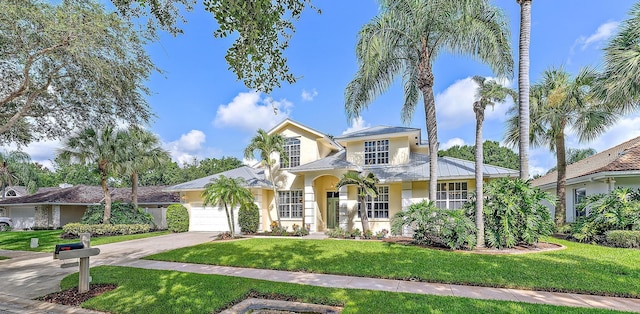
23 217
210 219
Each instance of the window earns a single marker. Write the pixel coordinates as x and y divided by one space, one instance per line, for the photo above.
376 152
290 204
451 195
292 148
578 196
377 207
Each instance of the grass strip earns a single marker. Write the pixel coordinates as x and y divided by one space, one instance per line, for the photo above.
47 239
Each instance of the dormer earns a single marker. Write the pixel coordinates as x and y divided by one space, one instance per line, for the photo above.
303 144
382 145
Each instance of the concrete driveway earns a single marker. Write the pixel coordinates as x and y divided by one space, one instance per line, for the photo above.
30 275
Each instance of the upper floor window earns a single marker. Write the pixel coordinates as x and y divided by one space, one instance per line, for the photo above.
376 152
292 148
290 203
377 207
451 195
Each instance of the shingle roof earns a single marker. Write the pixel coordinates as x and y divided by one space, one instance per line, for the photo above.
253 177
85 194
335 161
623 157
376 130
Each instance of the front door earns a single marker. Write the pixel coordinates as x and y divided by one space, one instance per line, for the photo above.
333 210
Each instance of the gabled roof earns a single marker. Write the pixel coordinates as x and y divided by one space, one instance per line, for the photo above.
85 194
252 176
319 134
376 130
620 158
335 161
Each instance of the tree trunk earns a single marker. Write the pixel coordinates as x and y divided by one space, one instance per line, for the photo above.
364 218
523 85
233 223
425 84
275 195
229 222
134 190
107 200
561 182
479 111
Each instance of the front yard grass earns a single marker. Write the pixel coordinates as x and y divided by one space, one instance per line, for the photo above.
47 239
580 268
161 291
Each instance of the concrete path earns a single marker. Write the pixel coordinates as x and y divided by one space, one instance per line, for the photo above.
336 281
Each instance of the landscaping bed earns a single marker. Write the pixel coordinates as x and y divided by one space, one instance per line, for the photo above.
72 297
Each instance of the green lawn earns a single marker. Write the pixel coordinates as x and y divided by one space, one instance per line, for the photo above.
47 239
580 268
155 291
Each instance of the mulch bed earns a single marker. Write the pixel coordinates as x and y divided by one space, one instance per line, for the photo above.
518 249
72 297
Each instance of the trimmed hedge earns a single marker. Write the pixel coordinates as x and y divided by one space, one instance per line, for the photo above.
177 218
105 229
121 213
623 238
249 218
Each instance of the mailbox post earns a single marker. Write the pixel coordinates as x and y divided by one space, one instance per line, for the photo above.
82 251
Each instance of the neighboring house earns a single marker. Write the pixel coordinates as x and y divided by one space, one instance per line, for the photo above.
396 155
618 166
55 207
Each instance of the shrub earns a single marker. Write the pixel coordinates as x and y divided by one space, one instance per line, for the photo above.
367 234
435 226
75 229
337 233
623 238
356 233
121 213
300 232
382 234
249 218
277 230
177 218
224 236
513 213
618 210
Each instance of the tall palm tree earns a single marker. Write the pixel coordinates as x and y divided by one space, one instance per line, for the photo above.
228 192
489 93
576 154
407 36
102 147
560 104
14 169
366 184
142 152
523 85
267 145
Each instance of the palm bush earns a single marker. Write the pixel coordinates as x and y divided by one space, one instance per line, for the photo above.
513 213
618 210
249 217
435 226
177 218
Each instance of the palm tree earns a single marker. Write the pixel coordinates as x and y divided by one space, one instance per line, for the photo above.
14 169
228 192
576 154
143 152
366 187
560 103
523 85
267 145
488 94
102 147
406 38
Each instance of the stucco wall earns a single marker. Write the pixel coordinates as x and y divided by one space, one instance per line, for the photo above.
398 150
71 213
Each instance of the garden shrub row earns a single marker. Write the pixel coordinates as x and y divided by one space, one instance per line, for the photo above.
121 213
74 229
623 238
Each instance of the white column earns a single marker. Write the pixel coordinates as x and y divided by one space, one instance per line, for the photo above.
257 193
407 200
310 204
612 184
56 216
344 208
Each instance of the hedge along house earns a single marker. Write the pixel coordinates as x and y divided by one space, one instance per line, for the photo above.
55 207
307 184
618 166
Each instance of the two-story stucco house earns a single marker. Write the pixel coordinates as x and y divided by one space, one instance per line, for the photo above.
306 185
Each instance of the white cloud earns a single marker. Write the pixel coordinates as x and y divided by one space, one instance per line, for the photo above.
309 96
456 141
357 124
250 111
186 148
455 104
603 32
43 152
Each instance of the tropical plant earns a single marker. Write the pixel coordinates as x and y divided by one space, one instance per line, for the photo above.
229 193
492 154
141 152
101 147
268 144
436 226
366 184
121 214
407 36
489 92
617 210
514 213
523 86
249 217
574 155
560 104
15 170
177 218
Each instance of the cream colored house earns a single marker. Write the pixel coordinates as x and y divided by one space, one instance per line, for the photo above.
306 186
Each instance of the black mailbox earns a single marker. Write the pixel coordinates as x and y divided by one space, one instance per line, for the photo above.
67 247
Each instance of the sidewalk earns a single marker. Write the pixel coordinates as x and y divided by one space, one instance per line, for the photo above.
13 304
336 281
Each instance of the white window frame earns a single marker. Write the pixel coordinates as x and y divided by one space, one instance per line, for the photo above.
290 205
576 199
376 152
292 149
377 207
452 195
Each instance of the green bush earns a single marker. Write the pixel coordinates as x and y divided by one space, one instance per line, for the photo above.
121 213
249 218
337 233
618 210
513 213
74 229
367 234
177 218
356 233
435 226
623 238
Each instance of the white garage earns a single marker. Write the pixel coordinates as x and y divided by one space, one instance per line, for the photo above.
210 219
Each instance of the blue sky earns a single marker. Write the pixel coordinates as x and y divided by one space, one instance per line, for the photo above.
202 111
